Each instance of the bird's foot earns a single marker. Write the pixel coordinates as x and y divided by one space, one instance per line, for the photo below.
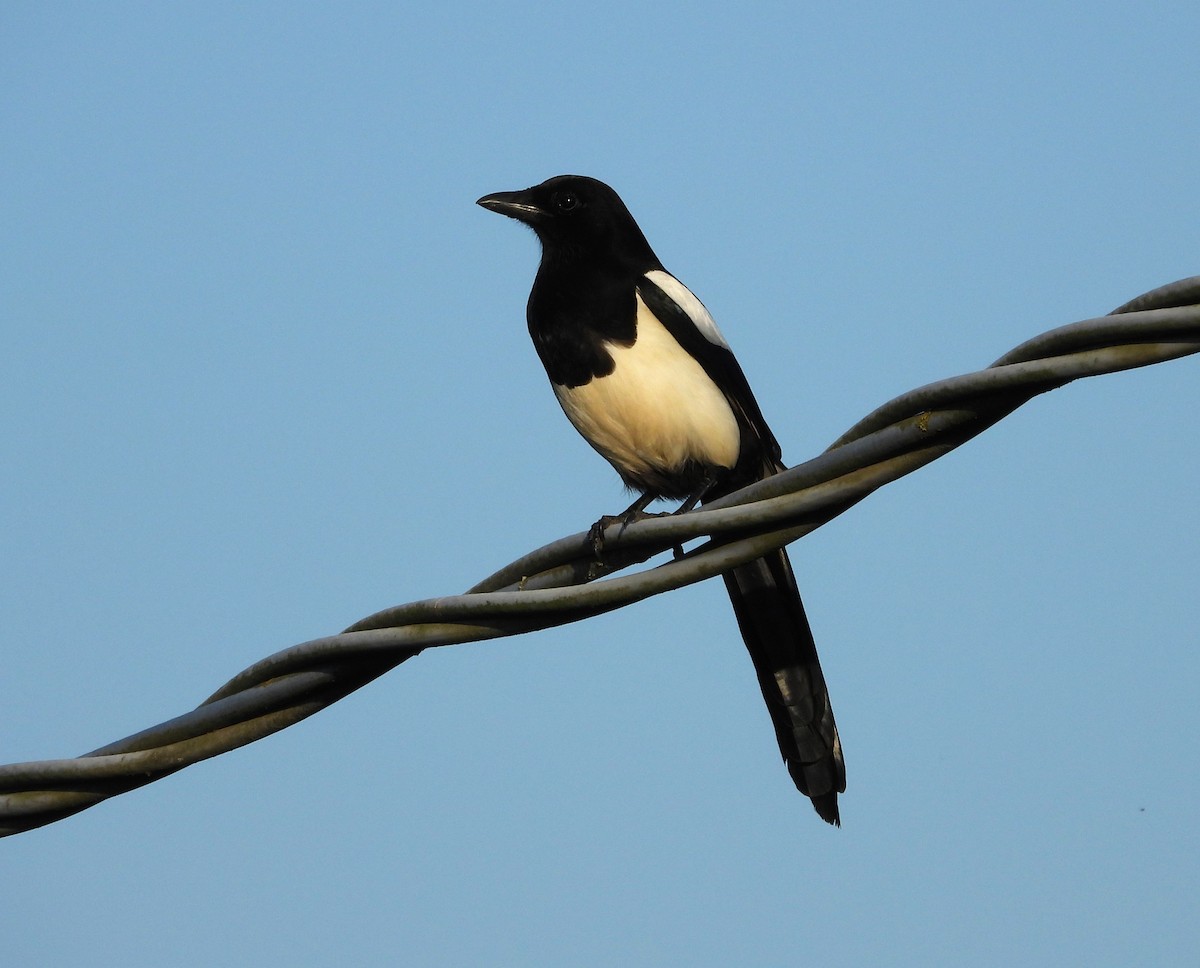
596 531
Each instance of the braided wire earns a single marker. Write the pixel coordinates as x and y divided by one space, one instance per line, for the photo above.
564 582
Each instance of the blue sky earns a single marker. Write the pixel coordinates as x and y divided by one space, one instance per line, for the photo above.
265 371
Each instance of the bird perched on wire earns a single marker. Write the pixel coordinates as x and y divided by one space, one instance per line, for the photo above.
643 373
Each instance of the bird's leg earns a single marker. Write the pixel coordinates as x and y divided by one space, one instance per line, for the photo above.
697 495
693 499
625 518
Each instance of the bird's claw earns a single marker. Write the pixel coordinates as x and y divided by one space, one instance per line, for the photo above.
596 531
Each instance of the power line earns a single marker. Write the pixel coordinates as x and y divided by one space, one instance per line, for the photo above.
563 581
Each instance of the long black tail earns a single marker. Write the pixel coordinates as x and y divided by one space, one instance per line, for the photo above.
771 616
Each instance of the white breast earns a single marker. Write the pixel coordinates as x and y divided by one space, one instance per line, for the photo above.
657 410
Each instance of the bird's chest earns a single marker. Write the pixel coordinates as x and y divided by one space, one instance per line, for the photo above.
652 411
573 334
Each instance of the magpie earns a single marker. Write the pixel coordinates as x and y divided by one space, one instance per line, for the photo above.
643 373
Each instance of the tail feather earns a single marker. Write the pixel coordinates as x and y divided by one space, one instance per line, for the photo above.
771 616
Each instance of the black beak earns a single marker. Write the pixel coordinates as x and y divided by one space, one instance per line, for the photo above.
518 205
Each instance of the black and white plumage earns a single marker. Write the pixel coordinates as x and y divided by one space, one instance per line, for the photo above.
643 373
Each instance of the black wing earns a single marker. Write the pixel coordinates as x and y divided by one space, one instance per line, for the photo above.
759 447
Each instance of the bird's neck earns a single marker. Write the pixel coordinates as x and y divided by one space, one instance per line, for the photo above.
574 290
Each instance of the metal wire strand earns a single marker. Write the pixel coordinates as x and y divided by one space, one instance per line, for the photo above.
563 582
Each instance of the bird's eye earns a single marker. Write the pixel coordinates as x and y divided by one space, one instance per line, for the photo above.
566 201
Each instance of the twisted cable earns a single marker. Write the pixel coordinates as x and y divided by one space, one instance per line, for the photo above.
564 582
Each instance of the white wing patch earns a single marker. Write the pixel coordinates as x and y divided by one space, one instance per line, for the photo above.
688 302
658 409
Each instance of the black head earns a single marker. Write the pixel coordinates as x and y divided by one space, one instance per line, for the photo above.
576 215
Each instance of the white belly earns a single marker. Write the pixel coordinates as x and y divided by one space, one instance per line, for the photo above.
657 410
